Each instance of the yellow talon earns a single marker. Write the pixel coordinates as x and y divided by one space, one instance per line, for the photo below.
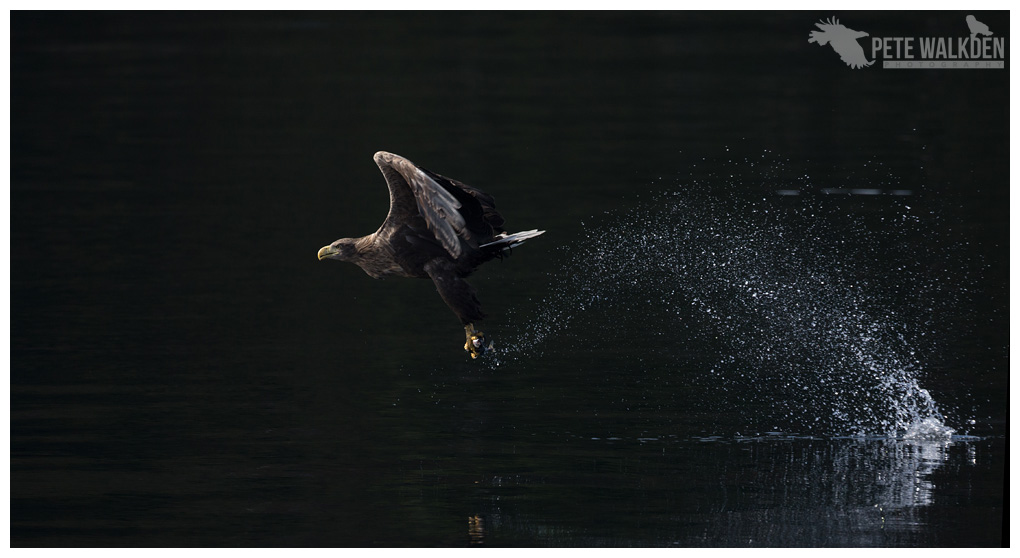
475 344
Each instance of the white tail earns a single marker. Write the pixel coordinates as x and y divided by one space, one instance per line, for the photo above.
512 240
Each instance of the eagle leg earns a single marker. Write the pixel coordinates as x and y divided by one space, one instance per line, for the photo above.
476 344
460 297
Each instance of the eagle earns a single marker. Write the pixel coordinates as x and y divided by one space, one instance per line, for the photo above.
977 28
437 228
843 40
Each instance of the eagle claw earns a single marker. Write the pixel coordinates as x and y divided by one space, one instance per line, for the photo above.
476 344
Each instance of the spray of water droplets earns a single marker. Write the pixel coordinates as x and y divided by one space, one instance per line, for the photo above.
816 318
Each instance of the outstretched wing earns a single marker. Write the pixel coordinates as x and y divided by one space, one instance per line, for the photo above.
451 210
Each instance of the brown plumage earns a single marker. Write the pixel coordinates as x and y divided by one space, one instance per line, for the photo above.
437 228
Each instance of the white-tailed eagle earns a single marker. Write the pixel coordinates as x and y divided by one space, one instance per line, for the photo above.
437 228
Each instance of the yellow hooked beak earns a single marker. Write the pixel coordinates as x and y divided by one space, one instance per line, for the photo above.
325 252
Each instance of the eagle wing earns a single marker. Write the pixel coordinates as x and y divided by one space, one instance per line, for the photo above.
452 213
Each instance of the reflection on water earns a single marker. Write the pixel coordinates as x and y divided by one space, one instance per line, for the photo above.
476 529
768 491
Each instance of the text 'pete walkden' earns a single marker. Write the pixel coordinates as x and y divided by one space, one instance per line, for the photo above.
940 52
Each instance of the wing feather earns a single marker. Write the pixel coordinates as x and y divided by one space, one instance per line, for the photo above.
413 192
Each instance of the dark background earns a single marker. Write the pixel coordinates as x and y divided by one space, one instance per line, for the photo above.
184 372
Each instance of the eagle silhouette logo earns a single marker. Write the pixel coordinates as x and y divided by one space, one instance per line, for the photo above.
843 40
977 28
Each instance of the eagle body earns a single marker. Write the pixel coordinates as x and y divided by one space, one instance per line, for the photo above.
437 228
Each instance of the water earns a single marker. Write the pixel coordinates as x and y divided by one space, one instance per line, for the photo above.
770 308
804 309
770 491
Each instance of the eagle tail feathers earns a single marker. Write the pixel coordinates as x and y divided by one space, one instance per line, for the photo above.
510 241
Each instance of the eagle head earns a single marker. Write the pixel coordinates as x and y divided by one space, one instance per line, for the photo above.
343 250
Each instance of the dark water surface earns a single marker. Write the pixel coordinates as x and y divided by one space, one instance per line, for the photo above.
771 307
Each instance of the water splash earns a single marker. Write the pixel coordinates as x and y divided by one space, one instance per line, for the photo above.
809 316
